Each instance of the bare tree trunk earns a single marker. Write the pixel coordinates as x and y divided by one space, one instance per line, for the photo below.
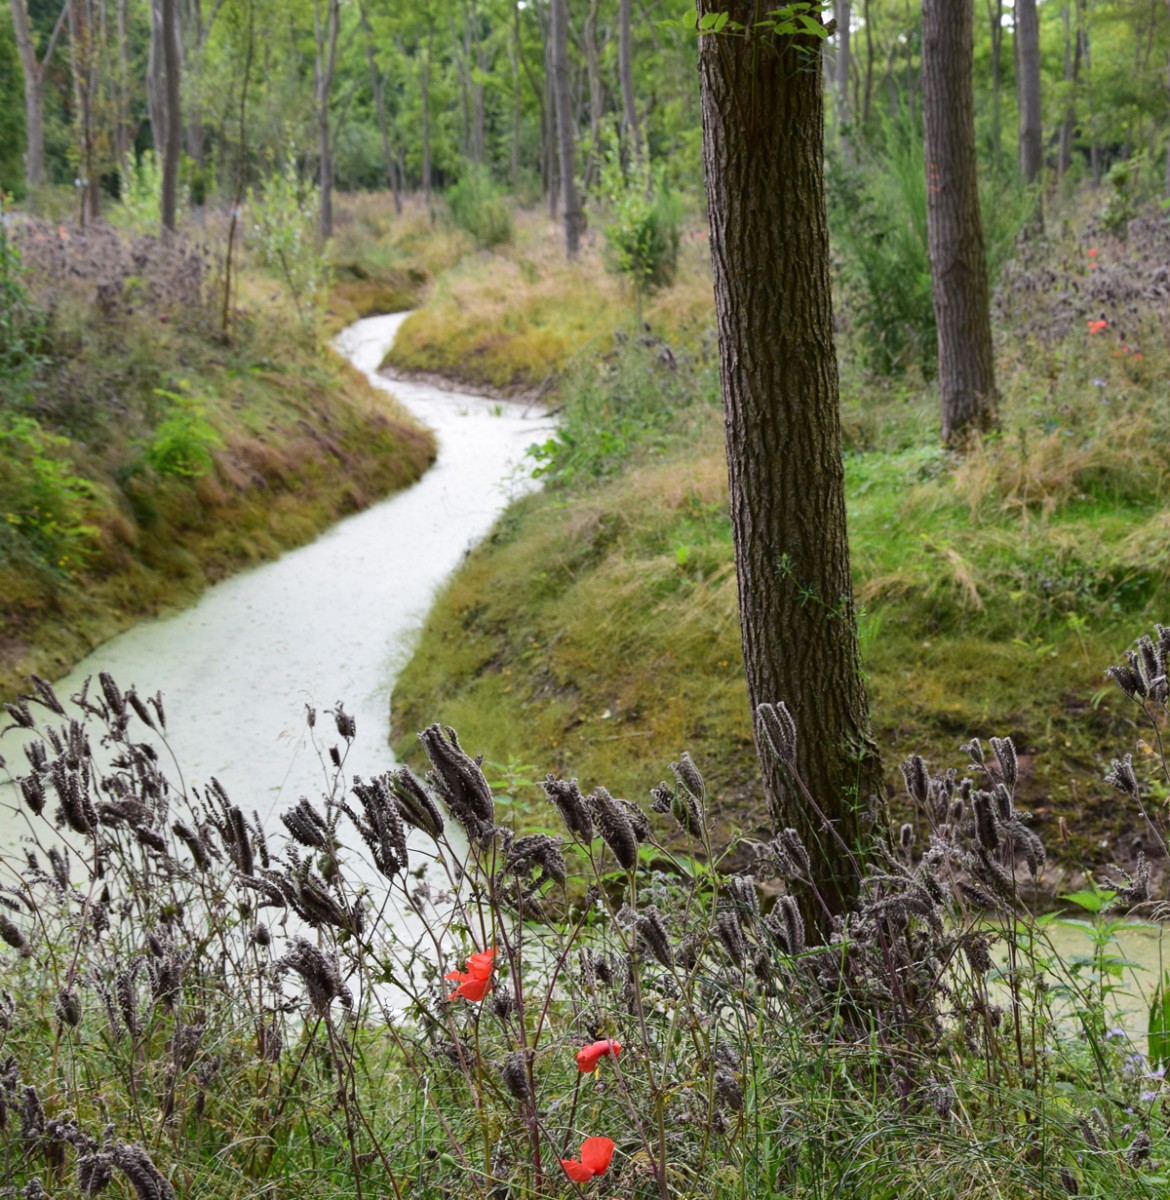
191 58
83 53
1028 89
551 171
481 61
596 93
867 91
34 87
763 129
324 65
172 148
123 146
1072 63
962 306
425 84
626 74
565 137
460 56
377 85
995 16
841 110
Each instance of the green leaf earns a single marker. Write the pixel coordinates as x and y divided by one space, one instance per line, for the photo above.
690 18
707 22
720 21
1091 900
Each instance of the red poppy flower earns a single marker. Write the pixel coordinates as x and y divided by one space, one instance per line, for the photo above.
596 1155
1093 253
589 1056
476 980
1097 326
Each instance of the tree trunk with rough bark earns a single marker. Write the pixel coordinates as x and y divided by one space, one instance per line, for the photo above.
424 80
596 93
378 87
571 205
763 155
958 263
172 147
626 74
1028 90
34 105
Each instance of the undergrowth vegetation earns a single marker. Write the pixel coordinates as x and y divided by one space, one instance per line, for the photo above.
144 451
600 618
411 990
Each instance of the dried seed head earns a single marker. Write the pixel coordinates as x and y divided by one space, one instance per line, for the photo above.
636 817
978 951
662 798
262 935
615 828
917 780
974 748
94 1172
566 796
458 780
1121 775
1003 803
68 1007
382 827
729 933
906 836
32 791
148 1182
794 848
306 825
1129 680
776 730
320 972
194 844
1069 1182
13 936
514 1073
1139 1149
985 828
743 892
415 803
32 1114
728 1089
346 725
1005 753
688 776
652 934
537 850
793 924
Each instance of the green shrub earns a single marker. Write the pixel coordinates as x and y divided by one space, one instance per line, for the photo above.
43 502
642 235
479 206
183 440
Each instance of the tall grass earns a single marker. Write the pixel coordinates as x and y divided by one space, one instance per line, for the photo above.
481 1008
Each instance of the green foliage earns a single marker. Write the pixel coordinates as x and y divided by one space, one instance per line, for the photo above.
642 234
284 238
1126 193
43 501
141 200
12 131
22 324
183 441
479 206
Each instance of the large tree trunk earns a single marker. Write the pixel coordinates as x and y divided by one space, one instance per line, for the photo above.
565 138
1028 90
172 148
626 72
763 128
958 264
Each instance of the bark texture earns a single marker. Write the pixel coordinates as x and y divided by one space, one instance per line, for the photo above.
325 29
1028 90
763 127
571 203
958 262
34 86
173 143
626 73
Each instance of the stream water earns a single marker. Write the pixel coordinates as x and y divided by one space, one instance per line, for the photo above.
332 621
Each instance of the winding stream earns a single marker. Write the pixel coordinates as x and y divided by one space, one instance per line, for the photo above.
332 621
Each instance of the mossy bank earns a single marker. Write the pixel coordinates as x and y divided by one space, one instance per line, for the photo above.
146 452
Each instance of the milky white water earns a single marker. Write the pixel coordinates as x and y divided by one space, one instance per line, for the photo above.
332 621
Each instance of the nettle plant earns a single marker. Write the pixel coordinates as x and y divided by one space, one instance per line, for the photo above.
405 995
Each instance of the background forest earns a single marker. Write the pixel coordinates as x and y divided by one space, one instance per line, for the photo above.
575 939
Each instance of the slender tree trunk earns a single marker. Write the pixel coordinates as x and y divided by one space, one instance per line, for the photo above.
424 81
514 174
995 16
551 171
172 147
958 263
841 111
83 53
482 64
1028 90
565 137
867 91
1072 67
34 77
763 129
596 93
378 87
626 74
325 33
123 147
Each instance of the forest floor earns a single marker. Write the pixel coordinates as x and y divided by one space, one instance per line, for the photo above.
595 633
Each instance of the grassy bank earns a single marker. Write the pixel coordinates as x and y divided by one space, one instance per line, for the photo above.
599 621
143 454
514 317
